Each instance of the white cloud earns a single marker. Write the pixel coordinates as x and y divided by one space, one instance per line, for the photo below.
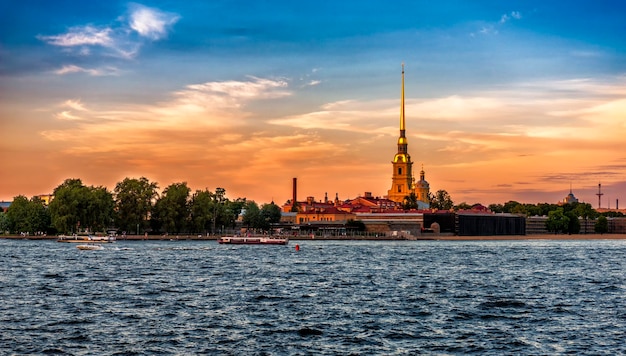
71 68
575 108
81 35
118 41
67 116
488 30
151 23
347 115
257 88
491 28
74 104
87 37
513 15
204 106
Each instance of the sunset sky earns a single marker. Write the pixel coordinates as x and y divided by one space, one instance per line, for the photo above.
505 100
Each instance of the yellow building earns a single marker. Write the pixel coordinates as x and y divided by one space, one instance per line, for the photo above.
422 188
330 214
402 181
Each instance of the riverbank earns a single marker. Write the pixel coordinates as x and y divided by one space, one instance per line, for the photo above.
535 237
357 238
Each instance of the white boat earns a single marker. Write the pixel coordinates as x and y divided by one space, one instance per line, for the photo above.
254 240
89 247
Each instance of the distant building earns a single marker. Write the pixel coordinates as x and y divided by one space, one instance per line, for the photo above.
569 199
4 205
484 224
329 214
46 198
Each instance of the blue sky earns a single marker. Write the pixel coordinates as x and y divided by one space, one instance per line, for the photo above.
506 100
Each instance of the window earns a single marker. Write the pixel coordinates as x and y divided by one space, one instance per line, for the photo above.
399 188
400 170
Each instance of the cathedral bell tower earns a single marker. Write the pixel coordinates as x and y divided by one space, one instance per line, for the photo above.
402 179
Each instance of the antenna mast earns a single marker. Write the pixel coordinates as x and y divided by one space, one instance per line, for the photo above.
599 194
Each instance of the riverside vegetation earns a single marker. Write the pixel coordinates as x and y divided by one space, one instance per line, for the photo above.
135 206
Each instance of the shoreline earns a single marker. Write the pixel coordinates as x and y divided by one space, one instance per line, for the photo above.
534 237
335 238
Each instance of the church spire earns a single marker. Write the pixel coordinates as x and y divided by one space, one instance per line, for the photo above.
402 141
402 182
402 105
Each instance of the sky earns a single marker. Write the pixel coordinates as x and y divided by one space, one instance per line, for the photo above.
505 100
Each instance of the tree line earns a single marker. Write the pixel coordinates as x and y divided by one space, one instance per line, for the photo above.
134 207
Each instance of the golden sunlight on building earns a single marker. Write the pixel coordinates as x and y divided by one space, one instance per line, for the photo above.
402 181
46 198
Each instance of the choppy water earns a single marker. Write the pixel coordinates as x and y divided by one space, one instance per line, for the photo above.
425 297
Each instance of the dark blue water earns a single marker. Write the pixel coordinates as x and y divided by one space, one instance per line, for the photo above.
426 297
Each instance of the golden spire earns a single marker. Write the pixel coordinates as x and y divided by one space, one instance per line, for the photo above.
402 104
402 141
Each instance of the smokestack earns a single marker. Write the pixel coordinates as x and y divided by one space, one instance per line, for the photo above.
295 191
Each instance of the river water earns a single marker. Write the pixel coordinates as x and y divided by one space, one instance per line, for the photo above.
331 297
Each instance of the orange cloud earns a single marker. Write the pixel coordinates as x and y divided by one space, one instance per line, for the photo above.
487 147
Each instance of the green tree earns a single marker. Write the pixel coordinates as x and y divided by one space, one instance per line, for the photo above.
38 215
410 202
68 209
173 207
613 214
532 210
4 222
557 221
510 206
200 211
76 206
133 202
441 201
463 206
496 208
17 214
585 211
219 203
251 214
100 208
573 226
232 211
269 214
521 209
602 225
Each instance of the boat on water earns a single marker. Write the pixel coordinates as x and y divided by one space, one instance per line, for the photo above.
86 239
89 247
253 240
